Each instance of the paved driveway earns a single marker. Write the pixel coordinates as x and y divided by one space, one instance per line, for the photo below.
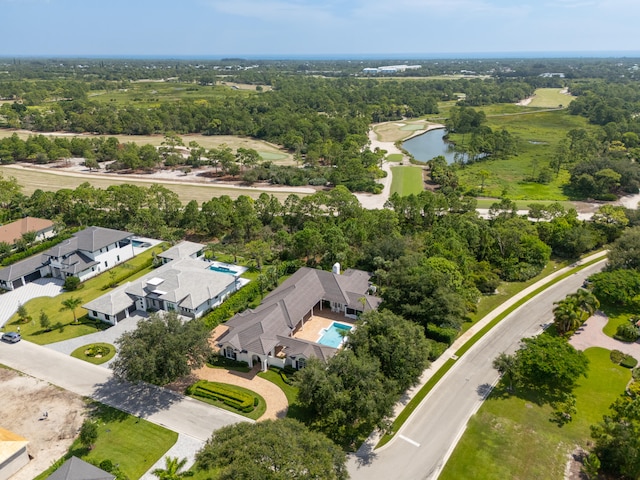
176 412
43 287
590 334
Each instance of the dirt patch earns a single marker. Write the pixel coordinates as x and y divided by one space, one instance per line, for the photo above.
23 403
573 468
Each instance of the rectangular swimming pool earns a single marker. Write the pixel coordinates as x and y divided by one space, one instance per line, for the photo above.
221 269
334 335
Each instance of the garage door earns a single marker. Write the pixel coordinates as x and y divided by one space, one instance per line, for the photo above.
33 276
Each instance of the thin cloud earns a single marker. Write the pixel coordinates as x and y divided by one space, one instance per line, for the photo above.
279 10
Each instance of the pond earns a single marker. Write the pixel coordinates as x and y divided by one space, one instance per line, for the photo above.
431 144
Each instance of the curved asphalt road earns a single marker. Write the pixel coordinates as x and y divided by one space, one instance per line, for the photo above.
158 405
422 446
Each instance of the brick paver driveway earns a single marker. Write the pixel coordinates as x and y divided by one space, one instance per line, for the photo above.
277 404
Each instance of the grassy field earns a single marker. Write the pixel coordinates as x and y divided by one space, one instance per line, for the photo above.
267 150
617 317
91 289
132 443
512 437
538 135
34 179
407 180
394 157
550 98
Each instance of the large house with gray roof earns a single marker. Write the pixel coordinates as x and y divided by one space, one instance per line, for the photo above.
86 254
265 335
185 285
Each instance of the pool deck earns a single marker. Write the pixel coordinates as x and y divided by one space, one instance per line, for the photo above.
313 328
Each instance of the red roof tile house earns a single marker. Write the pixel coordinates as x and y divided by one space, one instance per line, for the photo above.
12 232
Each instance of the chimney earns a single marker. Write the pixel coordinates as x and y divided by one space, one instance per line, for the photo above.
336 268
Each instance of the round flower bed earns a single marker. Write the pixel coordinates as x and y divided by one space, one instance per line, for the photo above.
96 353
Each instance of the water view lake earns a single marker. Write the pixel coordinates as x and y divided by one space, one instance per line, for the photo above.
431 144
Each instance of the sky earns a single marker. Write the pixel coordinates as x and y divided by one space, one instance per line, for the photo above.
316 28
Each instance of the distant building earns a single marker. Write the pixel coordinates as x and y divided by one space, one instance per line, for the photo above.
549 75
389 69
77 469
12 232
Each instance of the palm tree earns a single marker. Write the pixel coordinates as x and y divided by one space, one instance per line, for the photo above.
567 315
587 302
72 303
172 469
506 365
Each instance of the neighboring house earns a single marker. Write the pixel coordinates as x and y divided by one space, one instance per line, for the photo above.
265 335
77 469
12 232
86 254
184 285
13 453
182 250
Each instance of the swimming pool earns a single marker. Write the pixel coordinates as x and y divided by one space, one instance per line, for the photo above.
221 269
334 335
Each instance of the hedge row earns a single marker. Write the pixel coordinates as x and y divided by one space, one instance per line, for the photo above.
236 302
131 271
238 400
40 247
441 334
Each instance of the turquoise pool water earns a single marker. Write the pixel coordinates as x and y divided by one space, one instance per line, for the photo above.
334 335
227 270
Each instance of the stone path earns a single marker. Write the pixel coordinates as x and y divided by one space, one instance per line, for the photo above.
277 404
43 287
591 335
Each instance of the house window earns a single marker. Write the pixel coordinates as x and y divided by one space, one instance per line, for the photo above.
118 258
106 264
229 353
94 313
302 362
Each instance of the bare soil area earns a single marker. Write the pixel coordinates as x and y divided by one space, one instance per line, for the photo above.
23 403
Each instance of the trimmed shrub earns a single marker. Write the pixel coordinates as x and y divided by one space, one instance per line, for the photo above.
616 356
436 349
628 362
71 283
238 400
441 334
236 302
627 332
636 374
41 247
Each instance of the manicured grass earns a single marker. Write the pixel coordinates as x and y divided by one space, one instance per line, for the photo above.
253 415
81 353
617 317
394 157
550 98
132 443
511 436
295 410
406 180
91 289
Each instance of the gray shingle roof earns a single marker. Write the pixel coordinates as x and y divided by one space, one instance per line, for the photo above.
22 268
181 250
91 239
77 469
280 311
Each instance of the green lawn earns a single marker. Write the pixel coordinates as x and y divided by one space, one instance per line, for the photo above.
394 157
617 317
81 353
512 437
550 98
406 180
91 289
133 443
295 410
538 134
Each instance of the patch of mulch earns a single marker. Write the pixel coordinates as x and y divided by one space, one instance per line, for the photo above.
180 385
